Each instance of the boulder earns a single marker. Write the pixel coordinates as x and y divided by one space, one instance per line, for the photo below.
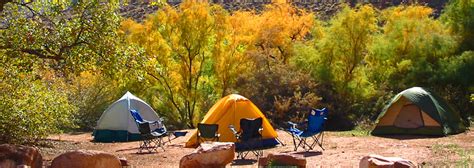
282 159
124 162
215 154
86 159
13 156
384 162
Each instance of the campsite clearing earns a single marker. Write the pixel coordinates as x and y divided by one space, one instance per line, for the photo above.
342 149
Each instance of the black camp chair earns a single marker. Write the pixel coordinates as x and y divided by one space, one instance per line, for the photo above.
207 132
249 138
151 139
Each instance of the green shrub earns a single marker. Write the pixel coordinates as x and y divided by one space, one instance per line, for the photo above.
31 110
281 92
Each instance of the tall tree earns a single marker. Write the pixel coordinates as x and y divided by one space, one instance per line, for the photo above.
178 43
345 45
229 55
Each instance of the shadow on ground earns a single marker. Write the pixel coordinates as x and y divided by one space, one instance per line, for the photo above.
305 154
243 162
408 137
129 149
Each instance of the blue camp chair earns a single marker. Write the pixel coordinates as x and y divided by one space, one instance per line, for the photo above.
151 138
314 130
138 118
249 138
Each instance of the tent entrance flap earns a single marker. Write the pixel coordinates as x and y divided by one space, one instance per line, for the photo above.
409 117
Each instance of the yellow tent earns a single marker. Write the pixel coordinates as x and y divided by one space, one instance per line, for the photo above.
229 110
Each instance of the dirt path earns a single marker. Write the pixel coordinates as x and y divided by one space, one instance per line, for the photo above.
341 150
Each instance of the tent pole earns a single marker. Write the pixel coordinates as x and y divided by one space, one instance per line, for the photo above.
130 114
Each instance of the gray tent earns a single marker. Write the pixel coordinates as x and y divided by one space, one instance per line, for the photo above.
116 123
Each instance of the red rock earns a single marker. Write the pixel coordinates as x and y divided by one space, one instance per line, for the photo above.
378 161
124 162
86 159
13 156
283 159
215 154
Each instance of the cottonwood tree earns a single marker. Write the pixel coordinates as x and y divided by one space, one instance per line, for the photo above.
276 29
411 45
229 56
40 45
178 43
344 45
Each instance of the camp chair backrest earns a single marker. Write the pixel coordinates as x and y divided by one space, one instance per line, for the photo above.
208 130
144 128
250 128
136 116
316 119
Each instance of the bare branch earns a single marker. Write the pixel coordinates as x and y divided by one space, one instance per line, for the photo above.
40 54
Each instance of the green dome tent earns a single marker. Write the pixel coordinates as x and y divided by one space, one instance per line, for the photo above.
419 112
117 124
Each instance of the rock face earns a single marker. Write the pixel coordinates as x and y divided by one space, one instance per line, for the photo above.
86 159
13 156
282 159
215 154
384 162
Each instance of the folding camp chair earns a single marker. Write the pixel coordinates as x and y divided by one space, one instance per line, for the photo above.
207 132
249 138
151 138
314 130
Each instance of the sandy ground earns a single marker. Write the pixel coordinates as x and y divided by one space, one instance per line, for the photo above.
341 150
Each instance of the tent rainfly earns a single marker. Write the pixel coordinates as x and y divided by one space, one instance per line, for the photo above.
116 123
418 111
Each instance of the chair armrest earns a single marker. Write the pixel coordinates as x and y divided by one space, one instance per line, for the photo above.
296 125
141 122
292 124
234 131
151 122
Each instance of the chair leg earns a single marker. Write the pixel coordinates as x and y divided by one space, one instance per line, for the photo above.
242 154
161 143
301 143
141 147
318 140
258 153
158 143
305 145
320 143
144 145
294 142
151 145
